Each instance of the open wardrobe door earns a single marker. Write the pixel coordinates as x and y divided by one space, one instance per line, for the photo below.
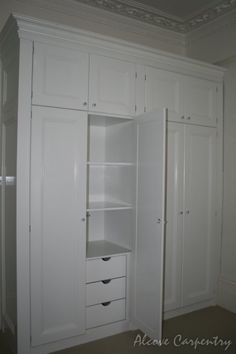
149 252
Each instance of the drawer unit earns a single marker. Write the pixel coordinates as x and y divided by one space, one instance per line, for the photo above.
105 290
106 268
105 313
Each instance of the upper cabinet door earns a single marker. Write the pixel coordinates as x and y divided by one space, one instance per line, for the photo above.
58 227
60 77
163 89
200 101
149 253
111 86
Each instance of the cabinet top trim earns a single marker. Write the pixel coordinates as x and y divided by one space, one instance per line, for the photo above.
37 29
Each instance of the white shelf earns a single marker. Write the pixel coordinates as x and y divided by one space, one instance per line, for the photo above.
93 163
104 248
107 205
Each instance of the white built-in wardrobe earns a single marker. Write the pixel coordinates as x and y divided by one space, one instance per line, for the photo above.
111 179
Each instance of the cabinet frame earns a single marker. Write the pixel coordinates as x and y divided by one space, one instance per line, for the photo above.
30 30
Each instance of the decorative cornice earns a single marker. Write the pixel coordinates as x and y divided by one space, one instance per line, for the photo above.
147 14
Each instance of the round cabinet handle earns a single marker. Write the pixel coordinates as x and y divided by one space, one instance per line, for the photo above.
83 219
182 117
94 104
85 104
158 221
189 118
181 212
187 211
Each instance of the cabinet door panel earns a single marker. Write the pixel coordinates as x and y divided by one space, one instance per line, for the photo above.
149 253
200 215
112 86
200 101
60 77
164 90
58 234
174 208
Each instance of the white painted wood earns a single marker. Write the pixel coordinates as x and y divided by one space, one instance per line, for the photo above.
200 104
23 196
174 215
103 248
92 334
10 67
67 38
149 252
102 205
58 230
111 140
105 268
101 314
199 244
105 290
164 89
190 308
60 76
9 295
111 86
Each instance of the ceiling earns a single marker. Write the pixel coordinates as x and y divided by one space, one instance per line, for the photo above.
176 15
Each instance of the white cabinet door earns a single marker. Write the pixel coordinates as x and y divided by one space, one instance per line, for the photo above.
58 227
163 89
60 77
200 101
149 253
174 215
111 86
199 258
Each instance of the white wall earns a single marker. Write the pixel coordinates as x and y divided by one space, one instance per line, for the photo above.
72 13
215 43
227 294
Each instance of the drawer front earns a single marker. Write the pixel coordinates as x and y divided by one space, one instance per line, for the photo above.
106 290
105 313
106 268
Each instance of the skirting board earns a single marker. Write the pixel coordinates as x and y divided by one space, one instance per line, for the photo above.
227 294
91 335
188 309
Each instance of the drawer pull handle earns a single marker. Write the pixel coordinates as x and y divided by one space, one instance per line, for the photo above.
106 303
106 281
105 259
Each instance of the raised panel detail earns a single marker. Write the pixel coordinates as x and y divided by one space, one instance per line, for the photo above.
111 86
163 89
200 101
174 215
60 77
199 258
58 232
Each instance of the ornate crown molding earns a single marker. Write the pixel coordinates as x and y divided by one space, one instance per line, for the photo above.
147 14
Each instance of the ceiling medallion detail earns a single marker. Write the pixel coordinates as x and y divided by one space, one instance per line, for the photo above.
151 17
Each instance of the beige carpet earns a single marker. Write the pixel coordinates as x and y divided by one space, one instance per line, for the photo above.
214 326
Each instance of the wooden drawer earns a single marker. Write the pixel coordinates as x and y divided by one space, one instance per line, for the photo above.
106 268
102 314
105 290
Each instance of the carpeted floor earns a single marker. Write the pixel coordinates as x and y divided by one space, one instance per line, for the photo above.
210 331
